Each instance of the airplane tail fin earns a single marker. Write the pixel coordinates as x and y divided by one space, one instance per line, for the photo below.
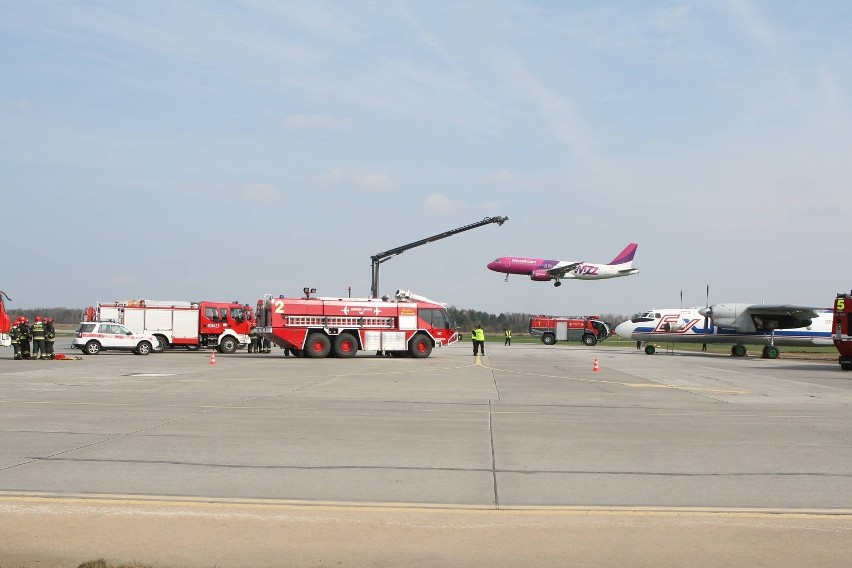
626 255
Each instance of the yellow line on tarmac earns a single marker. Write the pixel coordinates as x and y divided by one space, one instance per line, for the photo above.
33 499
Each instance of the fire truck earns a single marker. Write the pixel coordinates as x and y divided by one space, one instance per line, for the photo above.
551 329
5 323
842 329
221 325
407 325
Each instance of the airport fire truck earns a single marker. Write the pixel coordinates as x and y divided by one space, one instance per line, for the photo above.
407 325
842 329
5 323
221 325
588 329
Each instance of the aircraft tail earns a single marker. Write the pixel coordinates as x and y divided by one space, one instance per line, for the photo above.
626 255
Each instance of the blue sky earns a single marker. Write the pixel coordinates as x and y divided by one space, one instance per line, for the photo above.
223 150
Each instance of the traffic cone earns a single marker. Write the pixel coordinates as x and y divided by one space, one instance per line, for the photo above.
596 367
212 357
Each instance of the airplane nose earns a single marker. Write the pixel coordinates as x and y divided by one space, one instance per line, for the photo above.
623 329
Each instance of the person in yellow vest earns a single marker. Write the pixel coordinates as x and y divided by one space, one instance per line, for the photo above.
508 334
39 351
478 336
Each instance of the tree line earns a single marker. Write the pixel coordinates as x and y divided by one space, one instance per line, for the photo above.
59 315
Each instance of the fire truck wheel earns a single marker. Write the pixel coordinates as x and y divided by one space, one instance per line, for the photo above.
228 345
345 345
143 348
845 365
420 346
589 340
548 339
92 348
162 343
317 346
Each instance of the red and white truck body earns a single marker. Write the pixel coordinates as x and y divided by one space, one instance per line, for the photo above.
842 329
408 325
5 324
588 329
221 325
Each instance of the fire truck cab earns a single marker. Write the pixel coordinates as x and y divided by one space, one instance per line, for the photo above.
588 329
407 325
842 329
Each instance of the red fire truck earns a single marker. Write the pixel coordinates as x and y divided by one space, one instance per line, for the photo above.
221 325
407 325
5 323
551 329
842 329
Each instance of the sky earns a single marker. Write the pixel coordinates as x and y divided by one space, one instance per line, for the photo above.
229 149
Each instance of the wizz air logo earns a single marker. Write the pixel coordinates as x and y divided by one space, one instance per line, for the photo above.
587 270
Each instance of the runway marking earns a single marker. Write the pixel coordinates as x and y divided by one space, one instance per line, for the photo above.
631 385
32 499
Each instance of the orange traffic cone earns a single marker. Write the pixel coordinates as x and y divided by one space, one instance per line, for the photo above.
596 367
213 358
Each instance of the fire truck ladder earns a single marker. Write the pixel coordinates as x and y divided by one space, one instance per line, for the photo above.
388 254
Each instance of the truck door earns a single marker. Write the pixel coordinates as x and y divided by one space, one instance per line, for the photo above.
562 331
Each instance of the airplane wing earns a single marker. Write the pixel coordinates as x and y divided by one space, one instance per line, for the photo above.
560 270
782 316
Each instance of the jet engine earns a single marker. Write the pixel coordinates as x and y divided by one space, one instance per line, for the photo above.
540 275
673 326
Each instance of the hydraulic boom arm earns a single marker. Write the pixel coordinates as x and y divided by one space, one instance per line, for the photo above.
388 254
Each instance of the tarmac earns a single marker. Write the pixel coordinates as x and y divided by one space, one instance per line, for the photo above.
526 456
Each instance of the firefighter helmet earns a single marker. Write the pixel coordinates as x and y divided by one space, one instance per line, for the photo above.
38 318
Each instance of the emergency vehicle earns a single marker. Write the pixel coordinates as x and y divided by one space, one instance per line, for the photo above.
221 325
842 329
407 325
5 323
588 329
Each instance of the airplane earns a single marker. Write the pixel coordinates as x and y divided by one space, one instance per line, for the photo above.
738 324
543 270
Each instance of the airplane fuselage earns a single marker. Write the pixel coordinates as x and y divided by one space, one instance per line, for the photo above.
688 326
538 268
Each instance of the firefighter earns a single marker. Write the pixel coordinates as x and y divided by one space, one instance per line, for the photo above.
253 348
49 337
38 339
15 336
478 336
25 336
508 334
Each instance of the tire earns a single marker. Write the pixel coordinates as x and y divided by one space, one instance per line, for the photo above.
420 346
92 348
317 346
557 283
548 339
846 364
770 352
228 345
144 348
345 346
738 351
650 350
162 345
589 340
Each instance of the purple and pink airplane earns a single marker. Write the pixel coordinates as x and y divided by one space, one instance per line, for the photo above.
543 270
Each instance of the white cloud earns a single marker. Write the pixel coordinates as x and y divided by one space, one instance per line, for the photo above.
316 122
438 202
259 192
365 180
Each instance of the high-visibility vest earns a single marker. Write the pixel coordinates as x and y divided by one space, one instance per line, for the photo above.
479 334
509 333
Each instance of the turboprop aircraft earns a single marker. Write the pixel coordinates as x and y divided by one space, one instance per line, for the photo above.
544 270
737 324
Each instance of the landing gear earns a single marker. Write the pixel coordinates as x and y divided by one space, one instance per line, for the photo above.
738 351
557 283
770 352
507 278
650 350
